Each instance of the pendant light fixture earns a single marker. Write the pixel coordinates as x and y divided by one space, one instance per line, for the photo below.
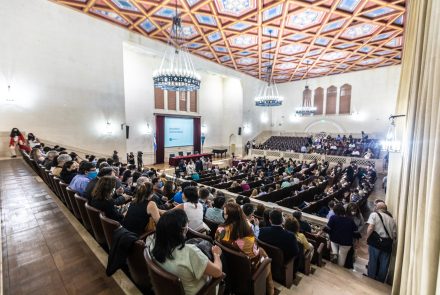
176 72
268 95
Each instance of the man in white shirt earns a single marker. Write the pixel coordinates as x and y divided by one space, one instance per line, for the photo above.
381 222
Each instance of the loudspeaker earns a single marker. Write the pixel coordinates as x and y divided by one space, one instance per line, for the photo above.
239 130
127 131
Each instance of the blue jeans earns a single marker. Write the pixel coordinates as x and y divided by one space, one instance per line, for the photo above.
378 263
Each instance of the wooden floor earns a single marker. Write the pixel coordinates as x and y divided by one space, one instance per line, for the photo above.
42 253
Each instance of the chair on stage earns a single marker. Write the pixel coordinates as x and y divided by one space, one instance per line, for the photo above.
181 154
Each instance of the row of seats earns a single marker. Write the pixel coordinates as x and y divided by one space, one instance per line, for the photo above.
148 276
144 272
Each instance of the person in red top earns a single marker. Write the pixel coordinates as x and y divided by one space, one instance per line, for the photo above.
16 138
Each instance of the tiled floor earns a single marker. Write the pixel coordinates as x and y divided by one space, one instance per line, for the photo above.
42 253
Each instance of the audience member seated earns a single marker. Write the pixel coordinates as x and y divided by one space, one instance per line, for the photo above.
367 148
277 236
186 261
37 155
49 159
342 231
141 210
254 223
292 225
237 234
203 199
215 213
86 172
69 171
304 226
60 160
193 209
102 198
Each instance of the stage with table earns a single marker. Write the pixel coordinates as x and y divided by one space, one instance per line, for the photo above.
174 161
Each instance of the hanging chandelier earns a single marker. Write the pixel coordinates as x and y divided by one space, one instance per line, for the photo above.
268 96
176 72
307 109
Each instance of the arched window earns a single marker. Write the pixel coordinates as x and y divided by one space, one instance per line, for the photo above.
345 99
330 106
319 101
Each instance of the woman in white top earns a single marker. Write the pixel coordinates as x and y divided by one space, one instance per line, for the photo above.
192 208
183 260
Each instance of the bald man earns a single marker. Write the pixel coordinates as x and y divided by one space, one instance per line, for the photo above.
381 222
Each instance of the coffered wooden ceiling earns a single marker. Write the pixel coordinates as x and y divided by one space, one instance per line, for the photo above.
311 38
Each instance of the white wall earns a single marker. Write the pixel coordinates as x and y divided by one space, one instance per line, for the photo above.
374 94
67 75
65 72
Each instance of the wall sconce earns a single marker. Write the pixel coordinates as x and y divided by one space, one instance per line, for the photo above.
247 128
108 128
148 129
204 129
9 97
391 142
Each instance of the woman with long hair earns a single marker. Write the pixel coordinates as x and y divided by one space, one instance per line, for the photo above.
185 261
237 234
37 156
102 198
141 210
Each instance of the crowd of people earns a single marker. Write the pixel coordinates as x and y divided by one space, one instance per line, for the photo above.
324 144
146 199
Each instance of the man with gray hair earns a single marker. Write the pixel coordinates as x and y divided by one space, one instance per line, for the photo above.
63 158
381 234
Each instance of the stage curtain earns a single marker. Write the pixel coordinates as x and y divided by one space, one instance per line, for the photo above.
197 135
160 130
414 193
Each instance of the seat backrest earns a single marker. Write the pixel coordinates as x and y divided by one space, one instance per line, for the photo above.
188 153
172 155
238 272
81 202
109 226
212 226
163 282
194 234
180 153
277 256
71 197
63 187
137 265
95 222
